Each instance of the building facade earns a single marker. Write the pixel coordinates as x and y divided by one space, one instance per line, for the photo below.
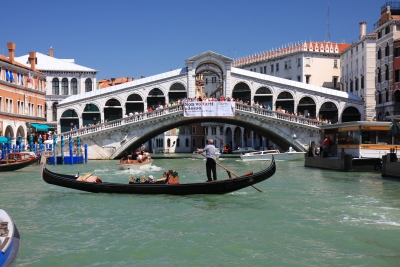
387 31
315 63
63 78
358 70
22 96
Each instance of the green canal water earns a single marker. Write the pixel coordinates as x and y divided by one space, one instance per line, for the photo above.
303 217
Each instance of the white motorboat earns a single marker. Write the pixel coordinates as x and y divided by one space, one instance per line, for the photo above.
198 154
241 150
267 155
9 240
135 165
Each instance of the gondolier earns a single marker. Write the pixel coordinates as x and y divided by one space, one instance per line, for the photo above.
211 158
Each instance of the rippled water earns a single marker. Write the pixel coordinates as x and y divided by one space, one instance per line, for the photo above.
304 217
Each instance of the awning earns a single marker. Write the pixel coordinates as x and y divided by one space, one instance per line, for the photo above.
41 127
3 140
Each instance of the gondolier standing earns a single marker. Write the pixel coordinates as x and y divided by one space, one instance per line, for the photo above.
211 158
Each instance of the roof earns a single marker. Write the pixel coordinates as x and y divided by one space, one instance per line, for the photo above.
48 63
16 63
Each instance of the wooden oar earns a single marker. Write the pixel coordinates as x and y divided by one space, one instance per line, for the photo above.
229 171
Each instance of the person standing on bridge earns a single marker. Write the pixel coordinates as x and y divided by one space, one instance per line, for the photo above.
211 165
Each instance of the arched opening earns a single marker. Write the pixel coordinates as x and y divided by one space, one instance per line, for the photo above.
228 134
285 102
55 86
88 85
168 142
307 107
112 110
69 120
134 103
351 114
20 136
91 114
155 98
176 92
263 96
178 142
329 111
237 138
209 80
242 92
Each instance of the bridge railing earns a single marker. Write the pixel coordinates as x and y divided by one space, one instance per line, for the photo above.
279 115
123 121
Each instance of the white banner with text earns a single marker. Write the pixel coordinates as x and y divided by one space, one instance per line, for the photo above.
209 109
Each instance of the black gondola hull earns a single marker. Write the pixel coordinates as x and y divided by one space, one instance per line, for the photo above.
215 187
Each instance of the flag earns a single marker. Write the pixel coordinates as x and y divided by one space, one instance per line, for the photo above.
11 77
7 75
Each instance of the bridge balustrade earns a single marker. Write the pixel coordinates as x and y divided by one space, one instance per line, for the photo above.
123 121
279 115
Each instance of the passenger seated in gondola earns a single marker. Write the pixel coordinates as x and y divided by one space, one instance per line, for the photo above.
89 178
170 177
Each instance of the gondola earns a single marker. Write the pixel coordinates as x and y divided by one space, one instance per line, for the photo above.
9 240
17 160
215 187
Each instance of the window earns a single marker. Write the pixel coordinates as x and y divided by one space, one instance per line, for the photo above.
193 142
335 63
379 34
56 86
396 52
379 98
277 66
1 76
213 79
88 85
379 53
387 73
261 70
356 84
9 105
74 87
397 76
298 62
20 107
168 142
387 96
272 68
351 51
214 130
308 79
187 142
356 48
251 69
290 64
286 65
387 29
64 86
265 69
193 129
335 82
1 103
379 75
40 110
308 62
207 80
178 142
351 86
362 82
387 50
298 78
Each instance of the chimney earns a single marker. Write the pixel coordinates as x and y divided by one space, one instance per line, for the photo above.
32 60
11 50
112 81
51 51
363 29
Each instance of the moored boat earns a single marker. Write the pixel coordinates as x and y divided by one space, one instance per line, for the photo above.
215 187
9 240
244 150
18 160
269 154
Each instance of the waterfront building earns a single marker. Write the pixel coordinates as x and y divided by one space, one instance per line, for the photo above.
22 96
63 78
358 70
387 31
315 63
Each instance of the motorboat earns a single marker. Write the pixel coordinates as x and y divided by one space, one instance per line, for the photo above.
135 165
18 160
241 150
199 154
9 240
215 187
267 155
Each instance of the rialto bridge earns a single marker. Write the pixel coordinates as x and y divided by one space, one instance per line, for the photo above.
109 108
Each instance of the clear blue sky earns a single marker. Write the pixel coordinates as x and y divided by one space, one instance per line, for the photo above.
133 38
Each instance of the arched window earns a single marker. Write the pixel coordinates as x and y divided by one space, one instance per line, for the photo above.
74 86
387 50
64 86
168 142
88 85
379 53
56 86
